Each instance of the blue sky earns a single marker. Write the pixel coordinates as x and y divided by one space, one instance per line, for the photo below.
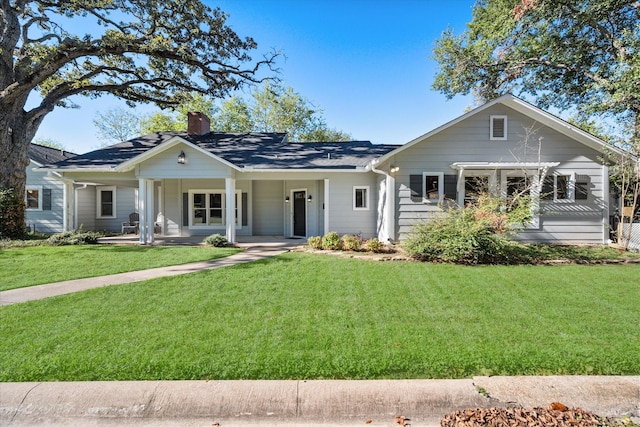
366 63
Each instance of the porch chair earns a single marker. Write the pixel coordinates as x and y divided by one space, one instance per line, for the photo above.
132 224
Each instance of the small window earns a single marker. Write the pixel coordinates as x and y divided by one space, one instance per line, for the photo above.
557 188
106 202
498 128
34 198
562 187
216 209
474 186
548 188
433 186
582 187
517 187
361 198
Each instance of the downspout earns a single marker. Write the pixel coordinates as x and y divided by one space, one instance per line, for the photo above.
389 208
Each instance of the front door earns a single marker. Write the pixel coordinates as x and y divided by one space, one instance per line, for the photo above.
300 213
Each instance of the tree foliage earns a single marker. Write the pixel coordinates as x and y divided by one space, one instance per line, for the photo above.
176 119
138 50
116 125
269 108
564 53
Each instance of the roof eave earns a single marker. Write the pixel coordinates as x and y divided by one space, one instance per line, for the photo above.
172 142
301 170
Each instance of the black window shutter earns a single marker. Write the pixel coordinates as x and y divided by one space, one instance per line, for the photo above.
185 209
245 209
416 186
451 187
582 187
46 199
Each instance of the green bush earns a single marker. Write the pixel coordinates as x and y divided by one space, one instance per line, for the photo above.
373 245
77 237
315 242
332 241
472 235
11 214
351 243
216 240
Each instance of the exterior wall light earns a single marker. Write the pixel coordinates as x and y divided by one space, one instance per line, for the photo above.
394 169
309 198
181 158
286 199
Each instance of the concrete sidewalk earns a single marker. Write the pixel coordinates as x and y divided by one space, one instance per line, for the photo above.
290 403
252 252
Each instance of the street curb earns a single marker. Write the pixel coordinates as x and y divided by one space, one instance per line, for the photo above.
319 402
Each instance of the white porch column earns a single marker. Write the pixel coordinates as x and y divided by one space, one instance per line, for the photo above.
460 187
145 210
68 206
230 191
391 207
326 205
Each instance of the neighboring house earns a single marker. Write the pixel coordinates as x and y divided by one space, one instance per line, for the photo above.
44 196
200 182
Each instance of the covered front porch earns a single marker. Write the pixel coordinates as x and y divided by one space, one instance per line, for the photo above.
174 210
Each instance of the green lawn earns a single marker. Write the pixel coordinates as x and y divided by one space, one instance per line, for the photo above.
28 266
316 316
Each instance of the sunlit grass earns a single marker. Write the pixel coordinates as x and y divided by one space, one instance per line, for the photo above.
313 316
28 266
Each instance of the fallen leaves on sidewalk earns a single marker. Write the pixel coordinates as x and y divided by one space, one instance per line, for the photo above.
522 417
402 420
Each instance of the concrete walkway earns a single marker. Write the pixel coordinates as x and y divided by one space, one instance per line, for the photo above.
254 250
302 403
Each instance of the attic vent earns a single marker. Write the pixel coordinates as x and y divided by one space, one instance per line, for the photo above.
498 128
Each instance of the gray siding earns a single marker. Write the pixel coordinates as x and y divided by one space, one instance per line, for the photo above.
165 165
49 220
125 205
268 208
343 219
468 141
172 207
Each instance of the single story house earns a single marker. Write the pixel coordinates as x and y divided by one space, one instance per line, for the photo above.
44 195
201 182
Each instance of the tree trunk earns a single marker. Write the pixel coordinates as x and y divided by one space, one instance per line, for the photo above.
16 133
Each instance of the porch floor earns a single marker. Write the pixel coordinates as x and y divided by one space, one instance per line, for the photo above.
242 241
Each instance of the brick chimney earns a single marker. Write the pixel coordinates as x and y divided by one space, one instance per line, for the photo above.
198 123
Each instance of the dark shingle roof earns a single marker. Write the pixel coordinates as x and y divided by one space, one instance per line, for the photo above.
46 155
250 150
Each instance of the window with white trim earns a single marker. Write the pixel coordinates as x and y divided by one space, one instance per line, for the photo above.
207 208
105 202
518 184
433 186
558 188
33 197
361 198
582 184
498 128
474 186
